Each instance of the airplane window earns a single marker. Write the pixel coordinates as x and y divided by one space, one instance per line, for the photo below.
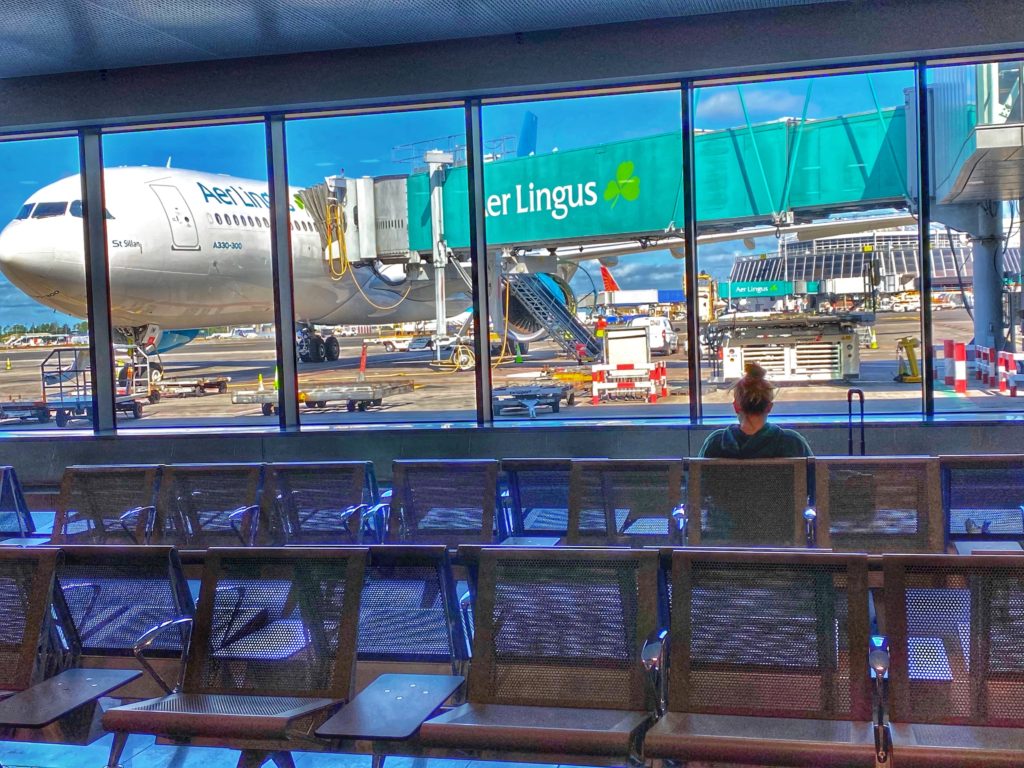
209 218
251 224
216 216
237 222
78 210
266 223
26 209
47 210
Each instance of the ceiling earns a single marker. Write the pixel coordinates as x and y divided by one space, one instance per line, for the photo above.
49 36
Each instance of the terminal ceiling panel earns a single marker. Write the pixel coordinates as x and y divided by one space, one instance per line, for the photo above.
49 36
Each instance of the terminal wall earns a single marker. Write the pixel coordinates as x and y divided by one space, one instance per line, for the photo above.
747 42
40 461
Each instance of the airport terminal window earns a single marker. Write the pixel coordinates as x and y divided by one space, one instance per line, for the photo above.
380 338
45 381
807 240
976 241
192 303
583 207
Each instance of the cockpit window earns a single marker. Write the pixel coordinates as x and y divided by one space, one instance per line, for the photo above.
76 210
26 209
46 210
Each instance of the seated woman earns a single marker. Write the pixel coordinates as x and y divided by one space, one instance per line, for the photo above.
754 437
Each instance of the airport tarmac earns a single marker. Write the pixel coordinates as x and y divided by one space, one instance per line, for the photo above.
440 395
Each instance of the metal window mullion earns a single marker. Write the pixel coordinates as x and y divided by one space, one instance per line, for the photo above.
924 215
690 266
281 261
480 262
97 281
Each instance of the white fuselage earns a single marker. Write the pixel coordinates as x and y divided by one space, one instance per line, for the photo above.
192 250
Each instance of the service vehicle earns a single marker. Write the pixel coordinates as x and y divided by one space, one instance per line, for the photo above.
663 340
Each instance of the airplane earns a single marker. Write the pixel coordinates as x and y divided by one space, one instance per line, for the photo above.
189 250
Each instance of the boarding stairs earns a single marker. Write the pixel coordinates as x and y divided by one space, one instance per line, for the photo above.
550 311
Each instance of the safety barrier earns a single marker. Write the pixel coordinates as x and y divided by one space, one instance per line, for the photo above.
954 354
647 379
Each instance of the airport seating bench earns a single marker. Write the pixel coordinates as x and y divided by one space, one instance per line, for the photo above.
15 518
112 504
557 657
537 501
982 497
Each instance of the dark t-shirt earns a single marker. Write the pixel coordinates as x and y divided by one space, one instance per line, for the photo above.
769 442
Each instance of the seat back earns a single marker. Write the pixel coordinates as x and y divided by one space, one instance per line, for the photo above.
106 504
955 626
15 519
320 503
775 634
616 502
115 594
538 496
982 495
409 611
443 502
28 636
563 627
758 502
879 504
208 505
277 622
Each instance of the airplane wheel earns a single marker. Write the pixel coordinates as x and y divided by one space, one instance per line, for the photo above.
317 350
332 348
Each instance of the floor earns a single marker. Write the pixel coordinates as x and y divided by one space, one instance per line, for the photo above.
142 752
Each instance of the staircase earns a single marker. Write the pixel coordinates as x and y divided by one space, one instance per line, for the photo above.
549 310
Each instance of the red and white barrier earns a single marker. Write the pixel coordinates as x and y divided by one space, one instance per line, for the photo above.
644 379
954 372
948 347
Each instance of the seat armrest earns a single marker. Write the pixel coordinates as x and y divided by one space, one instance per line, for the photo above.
878 661
242 522
151 635
811 526
465 607
146 517
652 656
377 516
60 695
681 521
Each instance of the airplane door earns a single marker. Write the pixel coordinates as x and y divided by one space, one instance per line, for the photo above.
184 235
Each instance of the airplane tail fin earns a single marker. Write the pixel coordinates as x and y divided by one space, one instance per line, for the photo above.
609 282
527 136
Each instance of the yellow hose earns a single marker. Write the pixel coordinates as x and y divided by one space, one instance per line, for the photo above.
336 225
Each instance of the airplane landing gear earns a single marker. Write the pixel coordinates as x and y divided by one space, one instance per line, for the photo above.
313 348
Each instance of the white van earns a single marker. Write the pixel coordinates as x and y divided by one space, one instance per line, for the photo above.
662 338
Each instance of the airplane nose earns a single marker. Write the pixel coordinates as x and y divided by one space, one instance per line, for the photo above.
49 269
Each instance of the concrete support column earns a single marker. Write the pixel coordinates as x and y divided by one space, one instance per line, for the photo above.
988 277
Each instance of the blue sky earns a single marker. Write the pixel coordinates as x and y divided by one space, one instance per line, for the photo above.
366 145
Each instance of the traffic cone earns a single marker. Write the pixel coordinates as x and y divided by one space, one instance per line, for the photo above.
7 367
519 353
277 384
259 378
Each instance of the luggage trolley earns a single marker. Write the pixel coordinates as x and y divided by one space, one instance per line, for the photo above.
67 382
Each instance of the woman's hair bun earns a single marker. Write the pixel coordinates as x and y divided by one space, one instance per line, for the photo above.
754 371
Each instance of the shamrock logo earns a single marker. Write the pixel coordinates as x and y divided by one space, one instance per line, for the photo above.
298 202
624 185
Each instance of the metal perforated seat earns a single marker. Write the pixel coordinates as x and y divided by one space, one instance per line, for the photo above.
318 503
409 611
538 496
290 653
556 665
106 504
767 660
114 595
982 496
39 647
879 504
443 502
956 680
757 503
208 505
625 502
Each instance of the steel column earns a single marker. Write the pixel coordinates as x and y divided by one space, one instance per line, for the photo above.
480 261
924 216
281 261
690 234
97 281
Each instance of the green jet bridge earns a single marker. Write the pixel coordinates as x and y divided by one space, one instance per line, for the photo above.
543 211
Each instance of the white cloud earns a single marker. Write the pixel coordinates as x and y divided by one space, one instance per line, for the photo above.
762 104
